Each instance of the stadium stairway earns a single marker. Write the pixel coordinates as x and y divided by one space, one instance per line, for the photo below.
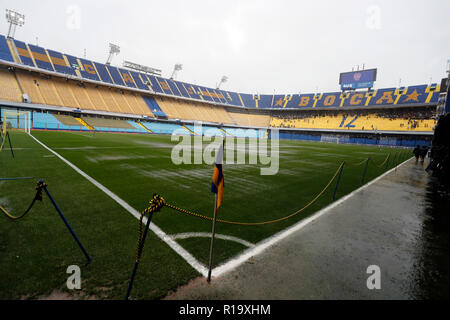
165 128
84 123
144 127
192 132
226 133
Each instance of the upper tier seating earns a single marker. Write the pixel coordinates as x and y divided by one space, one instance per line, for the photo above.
49 60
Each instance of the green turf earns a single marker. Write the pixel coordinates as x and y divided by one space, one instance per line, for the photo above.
35 251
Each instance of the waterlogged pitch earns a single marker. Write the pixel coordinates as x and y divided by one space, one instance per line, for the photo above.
36 251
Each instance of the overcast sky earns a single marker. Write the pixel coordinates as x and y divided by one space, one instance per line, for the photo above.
262 46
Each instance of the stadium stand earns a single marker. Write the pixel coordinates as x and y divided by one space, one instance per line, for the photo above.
9 89
81 94
59 63
98 122
153 106
416 119
40 57
67 120
5 52
50 78
48 91
30 85
23 53
47 121
165 128
64 91
50 60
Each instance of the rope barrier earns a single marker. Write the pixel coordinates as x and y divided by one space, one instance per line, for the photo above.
18 178
38 196
158 202
380 165
356 164
156 205
2 142
40 187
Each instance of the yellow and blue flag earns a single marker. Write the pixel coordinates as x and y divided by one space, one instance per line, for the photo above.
217 183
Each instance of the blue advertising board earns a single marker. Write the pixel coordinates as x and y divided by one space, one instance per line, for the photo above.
358 79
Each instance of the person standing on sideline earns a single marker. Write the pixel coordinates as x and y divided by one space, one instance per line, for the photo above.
423 153
416 152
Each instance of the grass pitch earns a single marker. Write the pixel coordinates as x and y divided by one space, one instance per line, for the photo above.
36 250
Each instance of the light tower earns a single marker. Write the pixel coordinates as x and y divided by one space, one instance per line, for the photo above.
176 68
14 19
222 80
113 50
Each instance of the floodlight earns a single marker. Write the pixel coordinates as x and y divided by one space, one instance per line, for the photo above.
176 68
14 19
114 49
222 80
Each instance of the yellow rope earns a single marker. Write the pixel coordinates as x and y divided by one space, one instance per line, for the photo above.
39 186
380 165
3 141
356 164
156 204
164 203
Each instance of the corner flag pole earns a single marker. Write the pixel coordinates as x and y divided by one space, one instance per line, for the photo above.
216 187
213 232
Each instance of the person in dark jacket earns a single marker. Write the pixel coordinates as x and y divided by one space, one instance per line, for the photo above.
423 153
416 152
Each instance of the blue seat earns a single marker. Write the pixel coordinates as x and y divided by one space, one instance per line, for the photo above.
40 57
5 53
154 107
59 63
23 53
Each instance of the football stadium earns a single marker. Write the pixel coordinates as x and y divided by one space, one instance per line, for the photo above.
99 158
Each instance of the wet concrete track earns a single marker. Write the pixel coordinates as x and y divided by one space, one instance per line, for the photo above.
400 223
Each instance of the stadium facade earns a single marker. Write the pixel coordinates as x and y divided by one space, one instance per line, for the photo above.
64 92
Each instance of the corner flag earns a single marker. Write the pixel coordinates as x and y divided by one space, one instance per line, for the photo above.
216 187
217 183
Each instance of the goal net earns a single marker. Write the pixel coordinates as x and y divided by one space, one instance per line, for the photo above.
329 138
15 119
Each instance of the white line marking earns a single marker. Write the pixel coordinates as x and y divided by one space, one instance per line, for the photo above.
268 242
161 234
208 235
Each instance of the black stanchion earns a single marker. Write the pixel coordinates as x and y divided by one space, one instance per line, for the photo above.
66 222
387 162
394 160
337 182
365 170
136 263
10 144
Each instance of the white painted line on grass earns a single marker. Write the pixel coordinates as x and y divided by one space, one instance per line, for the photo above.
268 242
161 234
208 235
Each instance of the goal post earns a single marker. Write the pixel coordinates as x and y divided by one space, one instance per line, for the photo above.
15 119
329 138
